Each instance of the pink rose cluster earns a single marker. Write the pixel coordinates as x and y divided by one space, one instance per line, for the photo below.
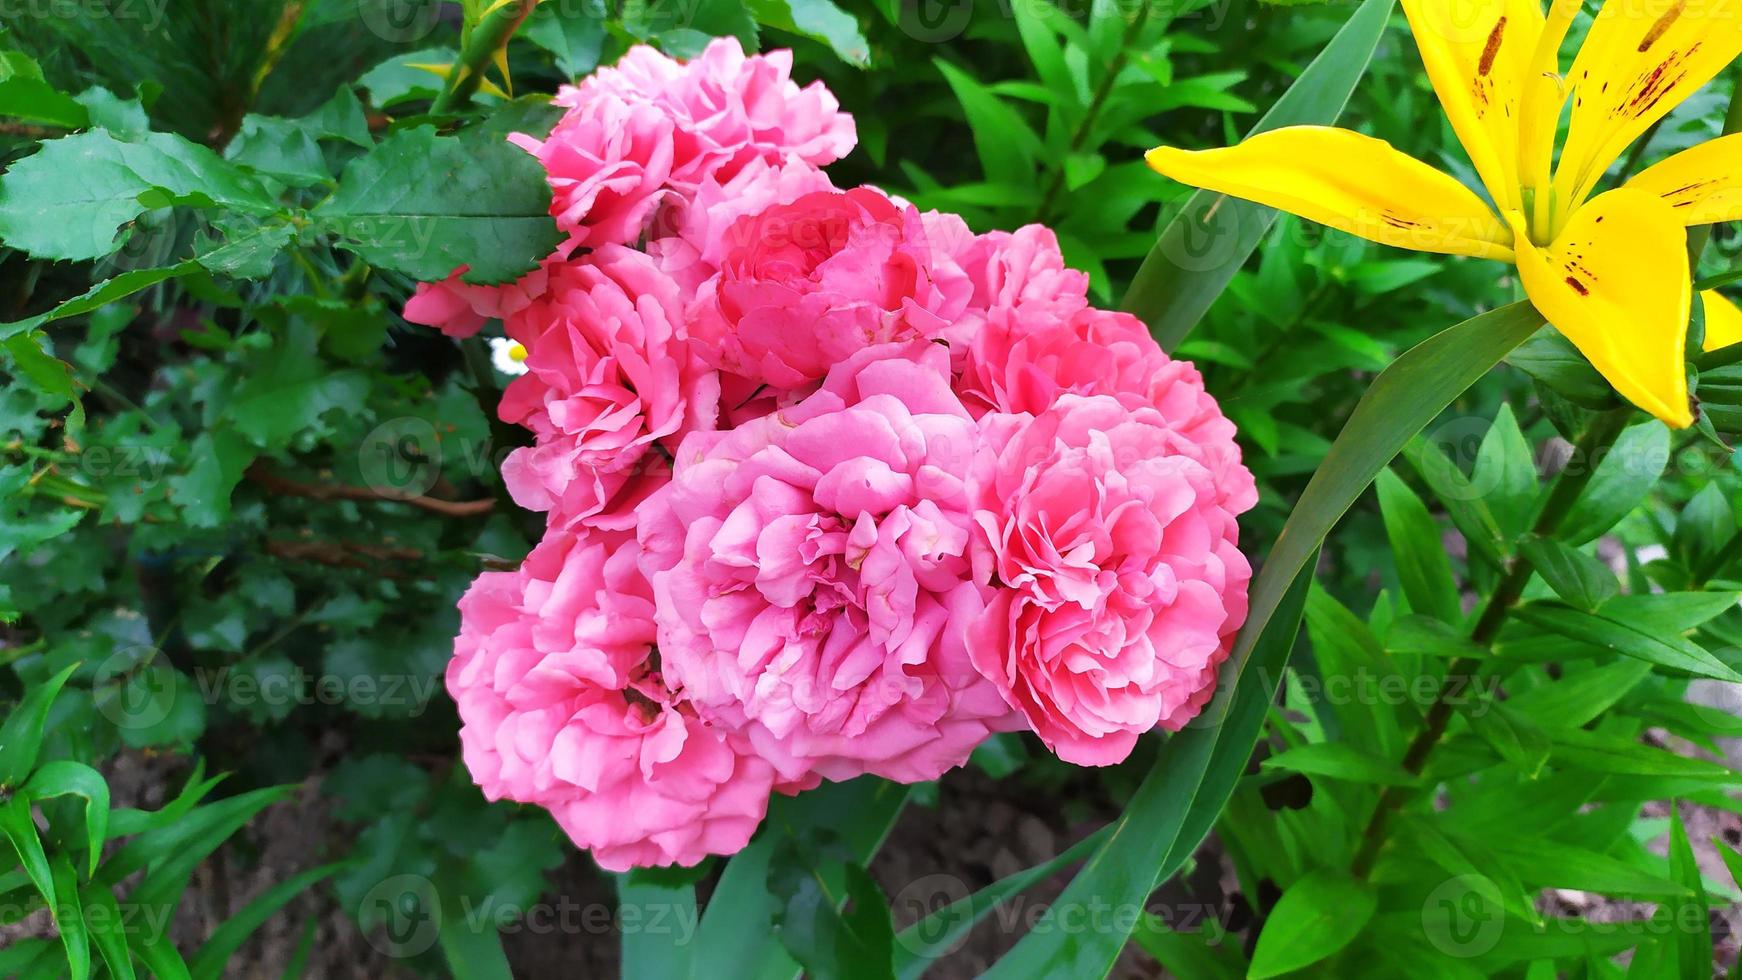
833 486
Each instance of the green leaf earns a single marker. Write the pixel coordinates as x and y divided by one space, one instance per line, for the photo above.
157 951
473 950
1458 855
288 389
1315 917
1006 146
1705 526
21 733
107 929
569 32
1514 735
64 777
101 294
1598 753
737 928
1694 946
648 949
35 101
1552 360
1665 650
820 20
1459 495
69 918
209 963
68 200
1419 550
1205 954
1505 472
425 205
831 934
934 936
1544 863
1583 581
1339 760
1623 478
19 828
1189 784
1670 612
1209 240
1401 401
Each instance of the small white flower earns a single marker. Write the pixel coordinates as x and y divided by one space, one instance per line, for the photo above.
508 355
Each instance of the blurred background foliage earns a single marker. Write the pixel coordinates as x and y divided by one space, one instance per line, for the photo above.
197 573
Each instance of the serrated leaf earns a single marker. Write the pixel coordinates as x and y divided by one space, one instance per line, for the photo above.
819 20
69 199
425 205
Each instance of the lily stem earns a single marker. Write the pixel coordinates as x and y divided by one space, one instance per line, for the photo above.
1598 437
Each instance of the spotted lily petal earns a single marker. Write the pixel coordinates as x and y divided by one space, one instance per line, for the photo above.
1723 320
1352 182
1616 283
1478 55
1703 183
1641 59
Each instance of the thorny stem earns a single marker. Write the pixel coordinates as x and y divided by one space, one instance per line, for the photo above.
1597 439
488 36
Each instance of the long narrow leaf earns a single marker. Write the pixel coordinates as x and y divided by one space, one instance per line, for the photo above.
21 735
64 777
209 962
1208 241
738 928
1188 785
933 937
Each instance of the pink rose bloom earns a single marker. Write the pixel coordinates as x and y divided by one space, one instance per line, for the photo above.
610 374
804 286
608 161
1021 268
728 108
1118 586
690 238
459 309
812 576
563 708
652 130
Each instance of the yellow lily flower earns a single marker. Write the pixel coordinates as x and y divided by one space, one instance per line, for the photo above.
1610 271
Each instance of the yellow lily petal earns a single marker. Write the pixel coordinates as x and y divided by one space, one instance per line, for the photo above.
1616 283
1351 182
1703 183
1539 113
1478 55
1723 320
1641 59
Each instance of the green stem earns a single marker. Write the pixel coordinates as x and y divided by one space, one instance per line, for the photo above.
1598 437
1102 91
486 37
